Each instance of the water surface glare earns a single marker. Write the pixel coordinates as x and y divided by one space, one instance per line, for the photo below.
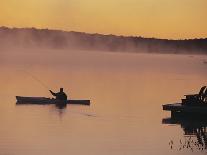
126 92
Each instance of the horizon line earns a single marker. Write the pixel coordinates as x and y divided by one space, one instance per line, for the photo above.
95 33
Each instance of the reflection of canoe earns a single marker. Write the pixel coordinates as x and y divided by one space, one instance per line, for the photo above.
179 109
186 122
44 100
194 132
190 126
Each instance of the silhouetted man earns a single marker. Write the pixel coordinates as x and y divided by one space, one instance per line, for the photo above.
60 95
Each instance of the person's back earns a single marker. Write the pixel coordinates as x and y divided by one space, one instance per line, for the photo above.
60 95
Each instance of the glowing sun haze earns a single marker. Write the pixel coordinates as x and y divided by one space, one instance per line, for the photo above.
176 19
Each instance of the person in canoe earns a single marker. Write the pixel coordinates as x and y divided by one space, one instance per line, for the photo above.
60 95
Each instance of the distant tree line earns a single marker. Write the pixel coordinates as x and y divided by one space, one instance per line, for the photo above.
57 39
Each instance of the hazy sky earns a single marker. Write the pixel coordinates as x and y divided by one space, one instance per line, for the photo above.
149 18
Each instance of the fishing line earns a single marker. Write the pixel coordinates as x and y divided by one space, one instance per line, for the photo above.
36 79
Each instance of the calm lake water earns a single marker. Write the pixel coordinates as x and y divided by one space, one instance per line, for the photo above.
126 91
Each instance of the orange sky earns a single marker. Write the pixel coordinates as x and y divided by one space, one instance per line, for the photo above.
173 19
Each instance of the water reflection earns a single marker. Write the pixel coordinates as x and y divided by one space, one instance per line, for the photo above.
58 106
59 109
194 134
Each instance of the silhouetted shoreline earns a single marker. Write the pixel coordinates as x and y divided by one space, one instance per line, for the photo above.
58 39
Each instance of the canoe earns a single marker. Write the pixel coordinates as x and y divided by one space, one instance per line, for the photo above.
45 100
182 109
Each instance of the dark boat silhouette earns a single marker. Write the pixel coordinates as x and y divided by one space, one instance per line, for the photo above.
195 104
45 100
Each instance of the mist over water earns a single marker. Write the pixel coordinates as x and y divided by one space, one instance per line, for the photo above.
126 92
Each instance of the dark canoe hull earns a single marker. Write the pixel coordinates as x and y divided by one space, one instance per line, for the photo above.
179 109
44 100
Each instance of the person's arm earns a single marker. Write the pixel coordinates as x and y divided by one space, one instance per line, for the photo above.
54 94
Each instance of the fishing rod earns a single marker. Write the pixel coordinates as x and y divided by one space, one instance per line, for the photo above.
36 79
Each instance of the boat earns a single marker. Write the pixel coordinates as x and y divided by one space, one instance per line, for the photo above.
45 100
178 109
191 105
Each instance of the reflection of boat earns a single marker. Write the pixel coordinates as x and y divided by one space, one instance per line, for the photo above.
195 104
195 133
186 122
191 115
44 100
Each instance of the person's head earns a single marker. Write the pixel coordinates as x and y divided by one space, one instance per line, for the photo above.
61 89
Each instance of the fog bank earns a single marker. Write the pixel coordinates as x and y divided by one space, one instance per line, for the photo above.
57 39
